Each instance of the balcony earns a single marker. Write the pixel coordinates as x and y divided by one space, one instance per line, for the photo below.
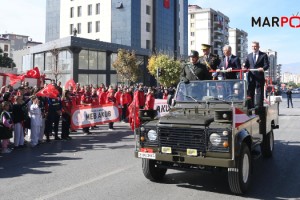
218 31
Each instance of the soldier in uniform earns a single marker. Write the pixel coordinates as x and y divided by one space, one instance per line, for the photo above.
211 61
195 70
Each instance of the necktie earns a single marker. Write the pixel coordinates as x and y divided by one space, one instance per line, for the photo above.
254 58
226 65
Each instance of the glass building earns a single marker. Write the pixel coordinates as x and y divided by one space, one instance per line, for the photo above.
85 61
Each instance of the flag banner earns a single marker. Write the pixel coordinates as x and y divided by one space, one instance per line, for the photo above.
33 73
87 116
239 117
71 83
13 78
161 106
133 117
49 91
167 4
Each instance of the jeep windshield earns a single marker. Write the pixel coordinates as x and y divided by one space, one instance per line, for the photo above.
203 91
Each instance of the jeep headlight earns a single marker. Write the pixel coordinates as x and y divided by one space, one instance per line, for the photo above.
152 135
215 139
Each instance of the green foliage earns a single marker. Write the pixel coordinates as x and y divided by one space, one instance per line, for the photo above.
169 69
6 61
126 65
291 84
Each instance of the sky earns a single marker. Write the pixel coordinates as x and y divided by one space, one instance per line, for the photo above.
28 17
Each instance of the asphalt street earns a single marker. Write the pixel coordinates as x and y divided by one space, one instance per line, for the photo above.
103 166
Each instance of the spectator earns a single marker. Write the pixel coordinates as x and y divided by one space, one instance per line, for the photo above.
289 97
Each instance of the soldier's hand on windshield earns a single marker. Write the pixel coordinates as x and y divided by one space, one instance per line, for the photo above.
261 69
229 69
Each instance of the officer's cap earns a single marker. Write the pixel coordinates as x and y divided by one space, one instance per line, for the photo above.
205 46
194 54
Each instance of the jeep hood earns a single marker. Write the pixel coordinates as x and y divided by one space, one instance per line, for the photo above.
183 117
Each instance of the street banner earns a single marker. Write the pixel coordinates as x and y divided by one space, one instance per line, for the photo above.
87 116
161 106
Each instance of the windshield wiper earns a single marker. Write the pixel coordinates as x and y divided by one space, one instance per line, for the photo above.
191 98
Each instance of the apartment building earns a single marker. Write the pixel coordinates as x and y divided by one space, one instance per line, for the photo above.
148 24
207 26
238 40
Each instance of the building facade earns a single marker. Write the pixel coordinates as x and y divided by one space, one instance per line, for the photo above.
83 60
207 26
5 45
238 40
272 71
144 24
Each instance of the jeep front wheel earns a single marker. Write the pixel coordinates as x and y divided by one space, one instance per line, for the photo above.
152 171
239 177
267 145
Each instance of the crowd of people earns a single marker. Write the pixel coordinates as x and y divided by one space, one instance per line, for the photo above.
24 113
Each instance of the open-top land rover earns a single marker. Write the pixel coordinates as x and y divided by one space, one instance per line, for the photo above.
208 126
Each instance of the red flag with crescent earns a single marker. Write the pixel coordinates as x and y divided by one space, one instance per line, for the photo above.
69 83
33 73
134 119
48 91
15 78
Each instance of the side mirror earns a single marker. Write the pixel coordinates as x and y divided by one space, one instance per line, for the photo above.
170 101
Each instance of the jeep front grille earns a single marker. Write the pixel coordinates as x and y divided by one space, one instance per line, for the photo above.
181 139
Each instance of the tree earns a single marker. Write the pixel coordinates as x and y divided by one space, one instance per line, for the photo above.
127 65
6 61
291 84
165 69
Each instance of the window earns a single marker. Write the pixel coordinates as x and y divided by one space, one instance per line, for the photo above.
192 42
71 29
97 8
192 16
79 28
148 11
90 9
192 33
89 27
97 26
72 12
5 47
147 44
192 24
148 27
79 11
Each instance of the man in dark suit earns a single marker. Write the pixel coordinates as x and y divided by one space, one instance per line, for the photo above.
230 62
256 80
211 61
194 70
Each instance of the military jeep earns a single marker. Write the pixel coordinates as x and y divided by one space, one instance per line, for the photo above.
209 126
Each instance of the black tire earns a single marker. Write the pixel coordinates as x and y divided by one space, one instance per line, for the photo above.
239 178
152 171
267 146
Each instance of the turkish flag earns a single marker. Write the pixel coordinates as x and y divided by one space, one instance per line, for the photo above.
167 4
14 78
69 83
134 119
33 73
48 91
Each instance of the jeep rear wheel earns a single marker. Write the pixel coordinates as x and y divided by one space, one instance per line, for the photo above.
152 171
267 145
239 177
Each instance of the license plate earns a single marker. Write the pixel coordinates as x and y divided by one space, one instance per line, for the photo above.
166 149
146 155
191 152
